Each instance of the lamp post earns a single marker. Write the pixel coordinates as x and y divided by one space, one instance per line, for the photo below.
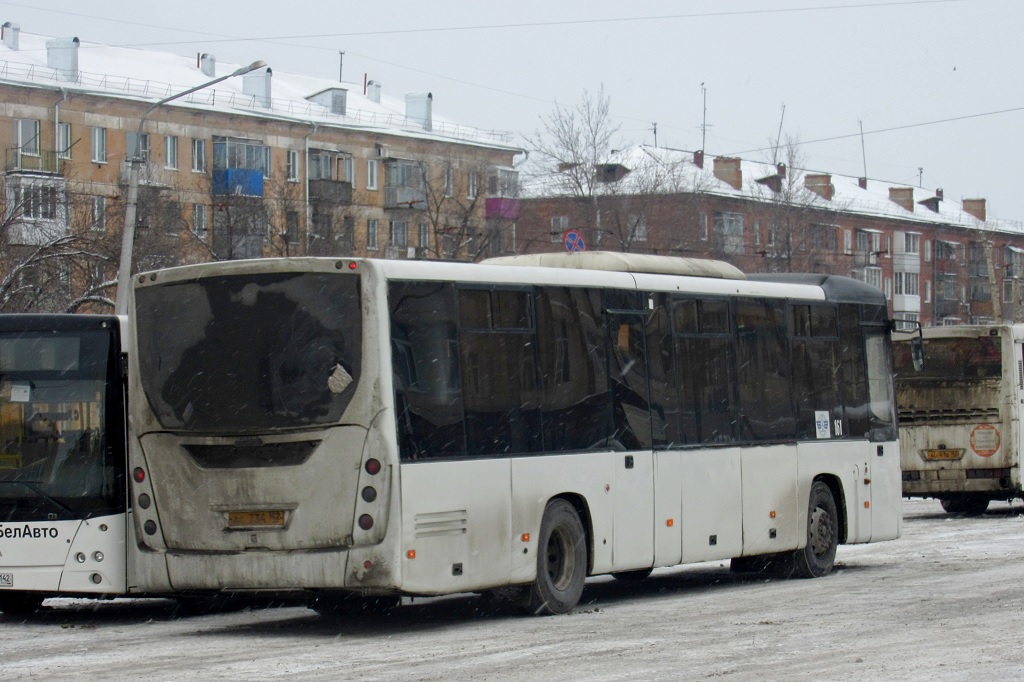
124 268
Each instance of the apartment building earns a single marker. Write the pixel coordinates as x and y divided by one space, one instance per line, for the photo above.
939 261
262 164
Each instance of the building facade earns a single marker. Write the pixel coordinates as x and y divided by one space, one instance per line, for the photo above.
938 261
264 164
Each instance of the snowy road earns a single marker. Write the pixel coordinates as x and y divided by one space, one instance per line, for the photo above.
944 602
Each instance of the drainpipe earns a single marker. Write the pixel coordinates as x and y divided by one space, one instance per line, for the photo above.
56 123
309 208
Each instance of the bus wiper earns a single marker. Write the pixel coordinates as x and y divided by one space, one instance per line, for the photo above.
46 497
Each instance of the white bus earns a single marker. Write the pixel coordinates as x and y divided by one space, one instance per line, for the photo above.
63 493
960 417
364 429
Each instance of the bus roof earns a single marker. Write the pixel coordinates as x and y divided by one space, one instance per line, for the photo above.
625 262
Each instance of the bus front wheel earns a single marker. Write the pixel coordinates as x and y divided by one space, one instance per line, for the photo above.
561 561
818 557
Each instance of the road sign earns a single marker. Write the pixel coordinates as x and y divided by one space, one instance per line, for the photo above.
573 241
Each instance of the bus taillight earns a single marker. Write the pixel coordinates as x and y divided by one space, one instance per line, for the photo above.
366 522
373 466
138 474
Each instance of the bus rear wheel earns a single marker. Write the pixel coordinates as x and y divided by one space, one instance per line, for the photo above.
971 505
818 557
561 561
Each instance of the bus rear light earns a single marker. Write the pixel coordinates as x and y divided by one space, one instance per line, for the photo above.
96 578
80 557
366 522
352 265
373 466
149 527
138 474
144 501
367 564
97 556
369 494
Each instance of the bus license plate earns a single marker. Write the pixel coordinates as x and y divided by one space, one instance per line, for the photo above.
248 519
6 580
944 454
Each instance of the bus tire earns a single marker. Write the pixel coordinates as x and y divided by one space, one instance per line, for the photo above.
818 557
20 603
971 505
561 561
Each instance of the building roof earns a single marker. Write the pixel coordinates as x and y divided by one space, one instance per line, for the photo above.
149 76
646 169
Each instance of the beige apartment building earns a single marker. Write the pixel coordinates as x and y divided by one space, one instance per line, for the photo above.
262 164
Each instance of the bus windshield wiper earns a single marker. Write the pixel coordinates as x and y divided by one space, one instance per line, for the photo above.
46 497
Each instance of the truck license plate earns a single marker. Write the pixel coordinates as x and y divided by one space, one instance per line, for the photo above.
944 454
6 580
249 519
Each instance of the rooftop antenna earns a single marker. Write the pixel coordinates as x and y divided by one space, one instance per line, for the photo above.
920 175
704 120
863 153
341 64
778 138
654 127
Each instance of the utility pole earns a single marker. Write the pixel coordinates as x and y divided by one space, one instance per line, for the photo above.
341 65
654 127
704 118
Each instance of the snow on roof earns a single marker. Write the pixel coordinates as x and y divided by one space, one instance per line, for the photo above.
149 76
667 171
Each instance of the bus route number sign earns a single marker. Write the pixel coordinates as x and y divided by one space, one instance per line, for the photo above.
573 241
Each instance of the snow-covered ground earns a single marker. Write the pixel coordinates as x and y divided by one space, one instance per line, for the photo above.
944 602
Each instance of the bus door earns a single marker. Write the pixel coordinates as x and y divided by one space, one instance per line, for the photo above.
636 426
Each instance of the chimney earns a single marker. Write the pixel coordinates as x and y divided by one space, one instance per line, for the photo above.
257 83
780 169
902 197
373 91
976 208
698 158
62 57
418 109
932 203
10 33
728 171
862 182
820 184
208 64
938 194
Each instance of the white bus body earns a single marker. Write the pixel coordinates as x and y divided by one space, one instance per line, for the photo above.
960 417
369 427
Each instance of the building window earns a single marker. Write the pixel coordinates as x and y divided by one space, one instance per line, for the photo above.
99 213
559 224
906 283
371 234
291 225
171 152
137 144
198 156
199 220
99 145
449 180
28 136
237 153
347 170
64 140
424 235
36 202
727 231
399 233
927 292
372 171
291 165
473 185
320 163
638 228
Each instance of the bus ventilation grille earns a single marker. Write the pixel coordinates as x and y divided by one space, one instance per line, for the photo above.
950 416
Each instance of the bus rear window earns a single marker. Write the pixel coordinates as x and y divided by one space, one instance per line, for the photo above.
952 359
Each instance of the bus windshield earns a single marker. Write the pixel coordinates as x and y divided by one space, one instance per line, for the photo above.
250 353
958 358
57 459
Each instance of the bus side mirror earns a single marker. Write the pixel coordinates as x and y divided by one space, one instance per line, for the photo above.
917 353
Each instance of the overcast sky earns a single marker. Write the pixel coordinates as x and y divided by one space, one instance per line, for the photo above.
834 65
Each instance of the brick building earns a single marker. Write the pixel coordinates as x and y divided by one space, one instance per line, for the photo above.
937 260
260 165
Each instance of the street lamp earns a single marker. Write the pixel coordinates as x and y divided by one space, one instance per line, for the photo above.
124 268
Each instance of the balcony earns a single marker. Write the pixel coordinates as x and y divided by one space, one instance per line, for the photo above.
502 208
44 162
331 191
238 181
405 197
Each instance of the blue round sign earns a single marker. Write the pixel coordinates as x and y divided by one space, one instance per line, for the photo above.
573 241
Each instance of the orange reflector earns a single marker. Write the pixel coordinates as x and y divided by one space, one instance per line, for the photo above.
867 505
411 554
772 513
670 523
526 537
